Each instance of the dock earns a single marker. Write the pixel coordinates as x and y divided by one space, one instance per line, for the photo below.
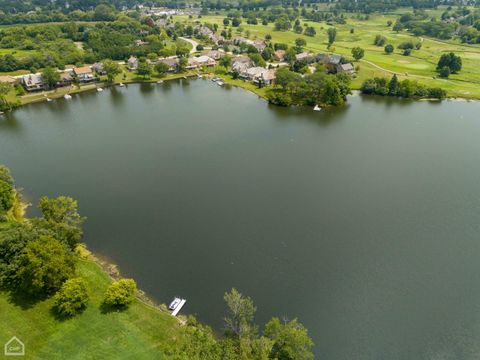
179 307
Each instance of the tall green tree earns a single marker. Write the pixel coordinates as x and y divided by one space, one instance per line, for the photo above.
61 219
45 265
225 61
290 340
111 68
450 60
358 53
241 311
332 35
144 69
50 77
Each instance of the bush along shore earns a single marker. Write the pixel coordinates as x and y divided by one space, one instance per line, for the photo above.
62 303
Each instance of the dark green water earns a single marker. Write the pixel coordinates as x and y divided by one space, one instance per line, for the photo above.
362 222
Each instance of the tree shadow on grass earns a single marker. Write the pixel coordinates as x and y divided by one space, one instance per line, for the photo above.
23 299
62 317
106 309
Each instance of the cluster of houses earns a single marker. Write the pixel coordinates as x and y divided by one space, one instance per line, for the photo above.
35 82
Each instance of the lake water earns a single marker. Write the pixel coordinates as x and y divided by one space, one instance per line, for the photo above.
363 222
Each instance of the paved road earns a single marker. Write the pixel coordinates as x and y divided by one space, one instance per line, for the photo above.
193 42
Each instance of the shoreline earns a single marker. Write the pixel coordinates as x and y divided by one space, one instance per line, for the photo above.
243 84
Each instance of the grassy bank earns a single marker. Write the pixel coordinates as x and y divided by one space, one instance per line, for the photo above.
140 332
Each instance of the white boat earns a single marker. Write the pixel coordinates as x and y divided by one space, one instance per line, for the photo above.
220 83
99 89
160 82
176 305
317 108
185 78
49 100
173 305
215 79
199 76
67 96
121 84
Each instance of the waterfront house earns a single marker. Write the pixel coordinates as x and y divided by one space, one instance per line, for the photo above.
66 79
132 63
240 64
33 82
84 74
265 77
172 63
204 60
252 73
98 68
191 64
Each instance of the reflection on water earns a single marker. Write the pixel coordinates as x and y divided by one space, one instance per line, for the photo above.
362 221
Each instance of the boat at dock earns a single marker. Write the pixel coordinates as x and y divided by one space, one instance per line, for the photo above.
317 108
160 82
220 83
121 84
99 89
49 100
176 305
67 96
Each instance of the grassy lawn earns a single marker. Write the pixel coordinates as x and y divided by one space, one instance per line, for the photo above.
419 66
140 332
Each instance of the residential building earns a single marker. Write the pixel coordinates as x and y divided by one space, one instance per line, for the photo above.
66 79
346 68
171 62
204 60
265 77
33 82
132 63
305 56
214 54
84 74
98 68
279 55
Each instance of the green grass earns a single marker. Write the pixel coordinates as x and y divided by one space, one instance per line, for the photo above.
140 332
419 66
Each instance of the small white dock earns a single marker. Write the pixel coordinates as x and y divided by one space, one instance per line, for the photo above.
179 307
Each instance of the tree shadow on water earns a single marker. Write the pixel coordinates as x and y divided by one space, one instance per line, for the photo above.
323 118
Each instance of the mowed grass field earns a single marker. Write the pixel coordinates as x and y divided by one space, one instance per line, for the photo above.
140 332
420 65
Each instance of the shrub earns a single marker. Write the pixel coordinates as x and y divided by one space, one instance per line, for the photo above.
72 297
380 40
444 72
120 293
389 48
